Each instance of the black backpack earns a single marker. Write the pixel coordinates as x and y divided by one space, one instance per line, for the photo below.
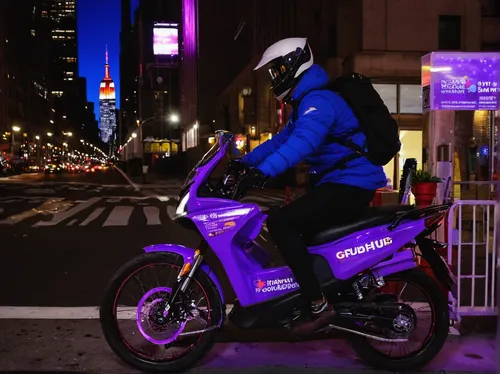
375 121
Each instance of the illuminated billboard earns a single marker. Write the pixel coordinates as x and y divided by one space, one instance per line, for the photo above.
165 39
461 80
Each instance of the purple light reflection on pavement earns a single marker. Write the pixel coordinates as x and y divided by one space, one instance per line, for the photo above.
465 354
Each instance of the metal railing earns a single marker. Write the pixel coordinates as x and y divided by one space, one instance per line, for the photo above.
472 252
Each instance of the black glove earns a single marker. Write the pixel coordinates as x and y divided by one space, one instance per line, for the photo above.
236 166
255 179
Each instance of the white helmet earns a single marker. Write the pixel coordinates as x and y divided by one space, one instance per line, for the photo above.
287 59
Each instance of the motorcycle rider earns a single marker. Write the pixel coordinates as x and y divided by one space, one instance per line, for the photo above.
339 194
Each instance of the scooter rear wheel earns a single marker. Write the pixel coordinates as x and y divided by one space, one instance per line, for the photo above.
435 339
203 342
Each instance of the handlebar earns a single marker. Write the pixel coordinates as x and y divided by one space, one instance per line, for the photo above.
239 189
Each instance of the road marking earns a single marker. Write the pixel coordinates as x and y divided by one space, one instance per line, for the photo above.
59 217
47 207
129 181
72 222
166 198
17 198
127 197
44 191
80 312
171 212
95 213
149 193
119 216
152 214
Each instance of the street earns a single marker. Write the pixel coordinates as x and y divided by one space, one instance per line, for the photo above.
63 236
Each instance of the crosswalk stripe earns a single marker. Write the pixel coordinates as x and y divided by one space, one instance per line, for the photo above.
58 218
119 216
152 214
94 215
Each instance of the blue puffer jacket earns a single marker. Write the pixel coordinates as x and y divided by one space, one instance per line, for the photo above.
321 113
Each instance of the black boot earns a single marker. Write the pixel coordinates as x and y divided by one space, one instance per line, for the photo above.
318 316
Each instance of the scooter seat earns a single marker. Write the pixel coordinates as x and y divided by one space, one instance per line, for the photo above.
372 217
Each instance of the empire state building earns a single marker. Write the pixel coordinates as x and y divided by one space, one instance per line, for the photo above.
107 106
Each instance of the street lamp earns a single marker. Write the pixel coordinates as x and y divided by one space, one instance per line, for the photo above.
134 135
49 134
174 118
38 151
14 129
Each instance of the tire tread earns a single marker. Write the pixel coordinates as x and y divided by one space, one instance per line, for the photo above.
112 335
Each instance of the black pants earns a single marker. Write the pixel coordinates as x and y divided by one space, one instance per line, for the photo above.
322 207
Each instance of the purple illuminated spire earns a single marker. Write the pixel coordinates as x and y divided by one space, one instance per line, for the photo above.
189 23
189 83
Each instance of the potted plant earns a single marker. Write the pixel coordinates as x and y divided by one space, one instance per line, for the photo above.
424 187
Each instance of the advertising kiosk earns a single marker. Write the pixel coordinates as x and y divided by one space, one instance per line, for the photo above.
454 82
461 98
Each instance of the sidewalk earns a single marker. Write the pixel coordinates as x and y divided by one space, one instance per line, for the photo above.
79 345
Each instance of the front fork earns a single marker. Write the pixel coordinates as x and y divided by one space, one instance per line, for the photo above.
186 274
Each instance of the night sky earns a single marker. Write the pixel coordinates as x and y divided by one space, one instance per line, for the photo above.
99 23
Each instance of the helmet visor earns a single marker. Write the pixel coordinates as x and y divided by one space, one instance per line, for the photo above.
281 68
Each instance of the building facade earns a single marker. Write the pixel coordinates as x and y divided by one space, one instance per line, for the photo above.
107 106
40 91
151 76
129 73
64 50
24 98
380 39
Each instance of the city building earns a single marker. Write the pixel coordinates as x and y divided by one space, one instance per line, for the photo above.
129 74
382 40
68 90
150 86
28 76
90 129
107 105
64 50
24 100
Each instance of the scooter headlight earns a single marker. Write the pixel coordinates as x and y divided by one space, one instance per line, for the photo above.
181 207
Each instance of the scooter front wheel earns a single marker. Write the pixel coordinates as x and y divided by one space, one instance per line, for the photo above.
187 329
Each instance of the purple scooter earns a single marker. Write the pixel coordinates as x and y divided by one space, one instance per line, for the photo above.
363 268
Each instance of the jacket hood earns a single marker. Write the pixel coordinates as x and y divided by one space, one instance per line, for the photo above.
314 78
